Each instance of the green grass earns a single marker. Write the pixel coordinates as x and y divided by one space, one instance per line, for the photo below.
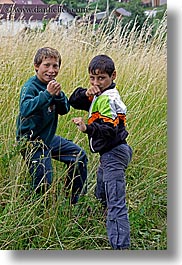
50 222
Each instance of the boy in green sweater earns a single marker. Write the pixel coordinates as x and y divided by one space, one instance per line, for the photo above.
41 101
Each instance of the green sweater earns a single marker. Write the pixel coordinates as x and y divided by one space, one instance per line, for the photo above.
38 115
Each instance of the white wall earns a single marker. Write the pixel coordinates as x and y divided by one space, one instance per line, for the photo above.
65 18
10 28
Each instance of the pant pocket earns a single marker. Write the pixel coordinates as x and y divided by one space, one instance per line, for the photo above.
115 192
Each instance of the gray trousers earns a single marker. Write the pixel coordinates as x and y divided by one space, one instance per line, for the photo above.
111 191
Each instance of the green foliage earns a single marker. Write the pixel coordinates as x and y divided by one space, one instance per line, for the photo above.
45 23
137 14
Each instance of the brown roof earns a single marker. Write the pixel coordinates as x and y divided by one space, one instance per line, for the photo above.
24 2
32 12
6 1
29 2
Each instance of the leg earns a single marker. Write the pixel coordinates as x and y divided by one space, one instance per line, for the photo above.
38 160
76 160
114 164
118 227
100 188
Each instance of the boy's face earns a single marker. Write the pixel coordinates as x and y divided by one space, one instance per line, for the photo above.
101 80
47 70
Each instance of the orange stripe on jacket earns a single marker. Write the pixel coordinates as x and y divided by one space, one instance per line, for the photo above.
123 118
97 115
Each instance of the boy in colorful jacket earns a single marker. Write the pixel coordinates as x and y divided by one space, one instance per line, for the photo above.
107 135
41 101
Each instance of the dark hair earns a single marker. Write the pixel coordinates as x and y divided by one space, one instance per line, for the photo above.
46 52
103 63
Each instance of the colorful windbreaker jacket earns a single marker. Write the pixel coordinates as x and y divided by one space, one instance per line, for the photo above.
38 115
106 120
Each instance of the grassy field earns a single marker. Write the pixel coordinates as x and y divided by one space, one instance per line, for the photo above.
50 223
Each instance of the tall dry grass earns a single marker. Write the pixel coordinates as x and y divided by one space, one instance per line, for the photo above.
50 222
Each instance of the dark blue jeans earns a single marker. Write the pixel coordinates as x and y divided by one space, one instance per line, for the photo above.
38 158
111 191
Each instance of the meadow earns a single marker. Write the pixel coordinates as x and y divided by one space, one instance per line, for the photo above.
50 222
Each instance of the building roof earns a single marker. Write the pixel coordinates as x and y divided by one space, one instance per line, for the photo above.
122 12
24 2
32 12
6 2
29 2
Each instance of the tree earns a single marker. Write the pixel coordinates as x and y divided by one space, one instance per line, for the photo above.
137 14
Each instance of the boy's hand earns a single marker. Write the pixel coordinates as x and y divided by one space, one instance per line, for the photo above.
80 123
92 91
54 88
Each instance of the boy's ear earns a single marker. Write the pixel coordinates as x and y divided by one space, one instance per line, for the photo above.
113 75
36 67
